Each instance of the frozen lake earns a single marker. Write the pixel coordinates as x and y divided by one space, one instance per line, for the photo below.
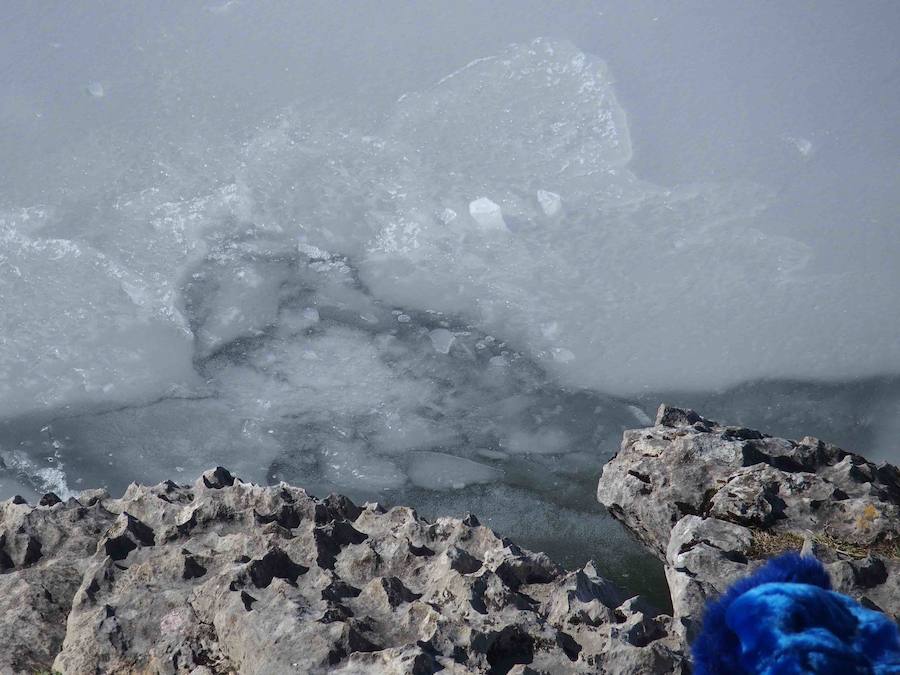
457 299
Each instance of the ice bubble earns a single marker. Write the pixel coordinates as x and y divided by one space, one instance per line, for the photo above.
487 214
551 203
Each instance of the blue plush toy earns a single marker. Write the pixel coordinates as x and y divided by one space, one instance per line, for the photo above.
785 620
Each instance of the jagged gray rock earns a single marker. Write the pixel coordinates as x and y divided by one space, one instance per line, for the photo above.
225 576
714 501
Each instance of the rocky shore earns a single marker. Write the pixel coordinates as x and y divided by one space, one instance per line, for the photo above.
224 576
714 501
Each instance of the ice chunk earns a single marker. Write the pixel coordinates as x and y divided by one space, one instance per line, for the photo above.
440 471
233 298
349 378
78 328
550 202
150 441
562 355
96 90
39 479
352 465
399 431
640 416
441 339
542 441
804 146
487 214
542 109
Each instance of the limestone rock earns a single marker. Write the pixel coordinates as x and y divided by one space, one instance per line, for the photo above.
223 576
714 501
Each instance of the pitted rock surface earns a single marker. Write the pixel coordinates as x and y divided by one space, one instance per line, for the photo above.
229 577
713 501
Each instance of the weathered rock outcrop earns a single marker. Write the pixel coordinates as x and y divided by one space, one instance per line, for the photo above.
225 576
713 501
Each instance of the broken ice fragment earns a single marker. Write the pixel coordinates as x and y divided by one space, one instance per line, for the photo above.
441 339
641 416
440 471
563 355
487 214
95 89
551 203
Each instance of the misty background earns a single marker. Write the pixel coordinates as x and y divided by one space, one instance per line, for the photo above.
225 238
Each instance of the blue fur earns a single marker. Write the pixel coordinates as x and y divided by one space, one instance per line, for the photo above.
785 620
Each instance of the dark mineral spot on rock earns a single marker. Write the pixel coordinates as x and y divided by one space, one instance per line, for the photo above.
357 641
248 600
119 547
275 564
338 589
420 550
462 561
49 499
192 568
510 647
218 478
32 551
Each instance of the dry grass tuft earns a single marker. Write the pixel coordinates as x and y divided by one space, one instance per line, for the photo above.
767 544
